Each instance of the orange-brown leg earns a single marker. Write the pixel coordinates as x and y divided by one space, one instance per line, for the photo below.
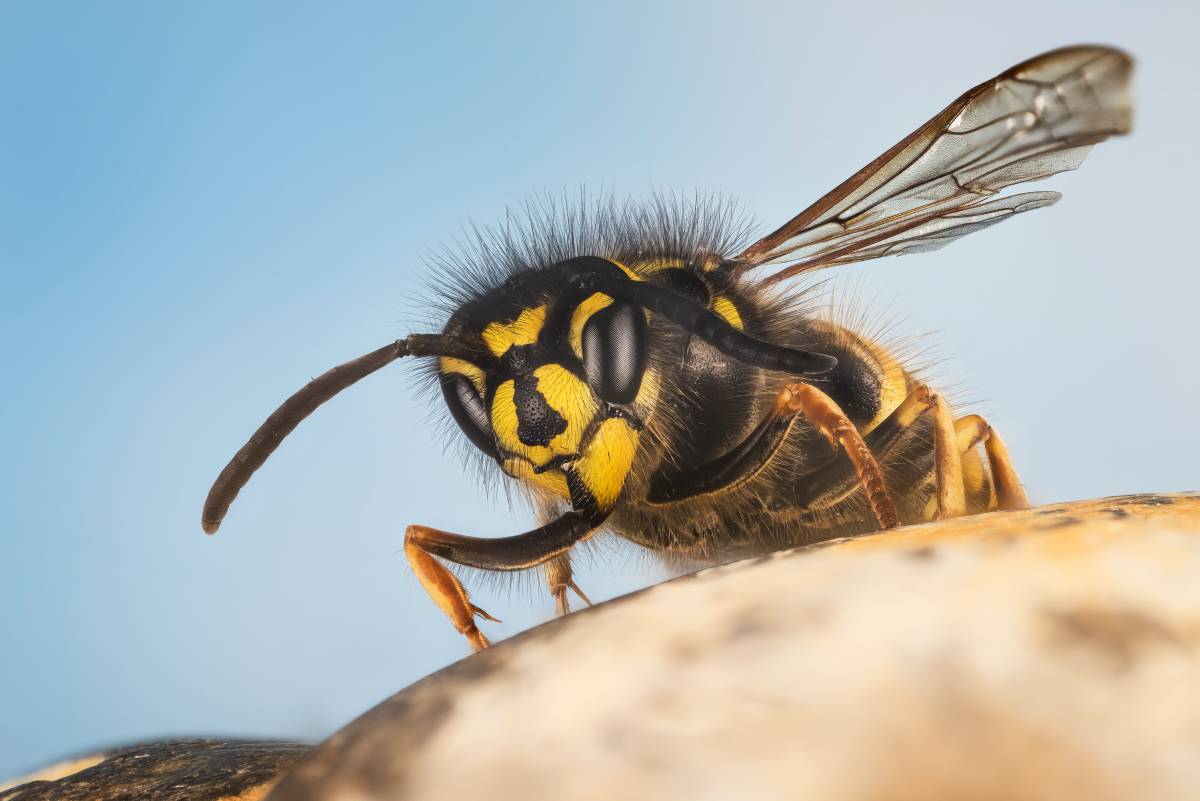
947 463
559 579
831 422
973 429
952 439
424 547
445 589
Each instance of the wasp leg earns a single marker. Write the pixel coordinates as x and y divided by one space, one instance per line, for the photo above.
748 458
947 463
445 590
949 499
558 572
831 422
559 580
1009 493
826 481
952 441
422 544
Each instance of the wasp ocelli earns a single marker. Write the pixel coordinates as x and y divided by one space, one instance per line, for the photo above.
639 370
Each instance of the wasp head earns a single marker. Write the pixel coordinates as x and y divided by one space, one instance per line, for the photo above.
561 385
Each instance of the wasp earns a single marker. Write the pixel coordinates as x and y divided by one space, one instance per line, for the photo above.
644 371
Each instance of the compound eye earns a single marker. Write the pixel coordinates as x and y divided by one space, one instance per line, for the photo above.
469 411
614 352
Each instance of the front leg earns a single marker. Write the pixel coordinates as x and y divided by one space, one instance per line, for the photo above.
422 544
595 480
559 579
557 572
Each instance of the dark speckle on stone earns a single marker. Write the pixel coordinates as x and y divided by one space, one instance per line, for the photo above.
926 554
1117 514
1119 636
1057 510
1144 500
746 624
1062 522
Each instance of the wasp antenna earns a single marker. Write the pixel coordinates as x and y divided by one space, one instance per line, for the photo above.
716 331
283 421
592 273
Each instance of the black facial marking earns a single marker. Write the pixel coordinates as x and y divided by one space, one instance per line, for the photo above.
582 498
537 423
621 413
519 359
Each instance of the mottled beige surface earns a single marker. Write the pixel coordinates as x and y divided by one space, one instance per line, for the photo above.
1047 654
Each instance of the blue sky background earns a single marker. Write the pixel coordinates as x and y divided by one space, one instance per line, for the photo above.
204 205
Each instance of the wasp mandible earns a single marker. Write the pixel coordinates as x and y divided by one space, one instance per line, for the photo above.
638 369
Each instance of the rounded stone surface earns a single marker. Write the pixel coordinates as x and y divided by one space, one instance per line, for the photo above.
1045 654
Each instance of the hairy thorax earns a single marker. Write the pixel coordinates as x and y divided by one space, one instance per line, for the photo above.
801 491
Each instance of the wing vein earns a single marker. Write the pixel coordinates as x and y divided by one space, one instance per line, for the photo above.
1032 121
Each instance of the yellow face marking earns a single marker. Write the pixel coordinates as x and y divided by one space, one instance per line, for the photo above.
604 462
524 330
724 307
553 480
594 303
607 461
505 423
449 365
565 394
572 399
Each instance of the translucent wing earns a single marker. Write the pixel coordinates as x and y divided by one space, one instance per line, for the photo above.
941 182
